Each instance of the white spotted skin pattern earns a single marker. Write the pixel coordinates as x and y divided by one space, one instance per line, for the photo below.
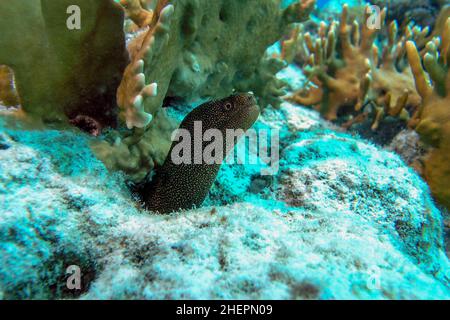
183 187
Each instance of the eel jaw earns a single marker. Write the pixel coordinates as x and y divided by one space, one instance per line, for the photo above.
249 110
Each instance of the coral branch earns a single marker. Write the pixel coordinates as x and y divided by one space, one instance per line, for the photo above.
131 94
137 13
192 56
298 11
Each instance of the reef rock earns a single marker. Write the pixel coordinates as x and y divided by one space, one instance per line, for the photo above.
341 219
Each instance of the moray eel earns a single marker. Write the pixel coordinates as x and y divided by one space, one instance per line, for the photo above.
185 186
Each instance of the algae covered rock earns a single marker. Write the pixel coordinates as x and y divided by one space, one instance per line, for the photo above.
355 232
67 57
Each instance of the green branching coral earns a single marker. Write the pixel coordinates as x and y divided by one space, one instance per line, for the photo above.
60 72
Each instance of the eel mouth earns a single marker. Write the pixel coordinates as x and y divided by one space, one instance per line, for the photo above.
250 110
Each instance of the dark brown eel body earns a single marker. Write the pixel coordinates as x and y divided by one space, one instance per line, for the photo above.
185 186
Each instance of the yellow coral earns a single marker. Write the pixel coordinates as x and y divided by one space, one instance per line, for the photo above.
133 91
422 40
60 72
137 155
432 120
393 87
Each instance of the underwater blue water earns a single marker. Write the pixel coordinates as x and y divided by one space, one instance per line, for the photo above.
321 3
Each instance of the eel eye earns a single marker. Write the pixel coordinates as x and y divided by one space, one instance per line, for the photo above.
228 106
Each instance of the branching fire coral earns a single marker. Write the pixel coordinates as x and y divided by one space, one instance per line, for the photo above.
198 49
423 12
136 11
132 91
432 120
348 72
61 72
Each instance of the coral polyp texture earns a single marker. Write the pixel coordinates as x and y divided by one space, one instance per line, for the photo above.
62 71
199 49
432 120
347 69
